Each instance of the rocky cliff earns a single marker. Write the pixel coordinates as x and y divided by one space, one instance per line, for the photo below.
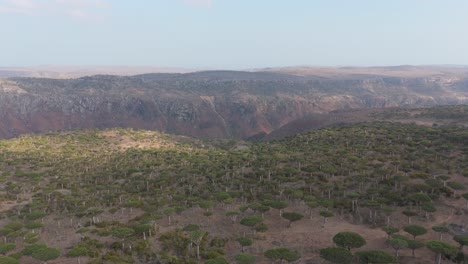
216 104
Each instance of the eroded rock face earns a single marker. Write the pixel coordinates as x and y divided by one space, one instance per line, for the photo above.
206 104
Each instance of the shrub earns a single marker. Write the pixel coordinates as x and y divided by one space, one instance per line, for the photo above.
218 260
336 255
78 251
27 251
375 256
15 226
244 258
33 225
123 232
8 260
6 247
251 220
45 254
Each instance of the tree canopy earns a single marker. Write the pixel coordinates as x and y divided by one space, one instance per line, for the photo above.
336 255
415 230
349 240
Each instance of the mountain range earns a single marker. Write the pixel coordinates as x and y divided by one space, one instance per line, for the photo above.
220 104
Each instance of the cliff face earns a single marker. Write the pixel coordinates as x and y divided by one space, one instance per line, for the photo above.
206 104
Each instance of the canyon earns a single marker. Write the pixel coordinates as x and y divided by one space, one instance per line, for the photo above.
219 104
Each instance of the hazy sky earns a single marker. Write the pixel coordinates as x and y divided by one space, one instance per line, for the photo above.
233 34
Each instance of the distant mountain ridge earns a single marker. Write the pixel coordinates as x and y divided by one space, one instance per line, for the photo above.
212 104
67 72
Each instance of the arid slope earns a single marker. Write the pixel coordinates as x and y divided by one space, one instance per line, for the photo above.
216 104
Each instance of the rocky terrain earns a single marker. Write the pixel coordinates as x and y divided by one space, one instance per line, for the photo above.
217 104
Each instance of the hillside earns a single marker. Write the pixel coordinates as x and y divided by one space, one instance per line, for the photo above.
135 196
428 116
215 104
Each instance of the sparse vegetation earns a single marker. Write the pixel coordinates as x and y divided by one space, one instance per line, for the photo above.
137 196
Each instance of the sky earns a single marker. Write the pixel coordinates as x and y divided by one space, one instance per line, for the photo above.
233 34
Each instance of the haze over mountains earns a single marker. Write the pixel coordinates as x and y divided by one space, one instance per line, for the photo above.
219 104
65 72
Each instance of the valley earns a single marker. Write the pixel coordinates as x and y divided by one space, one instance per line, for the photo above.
235 167
233 132
217 104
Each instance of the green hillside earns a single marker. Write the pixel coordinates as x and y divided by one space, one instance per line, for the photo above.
128 196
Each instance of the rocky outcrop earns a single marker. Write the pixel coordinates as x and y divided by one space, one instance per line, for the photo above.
207 104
